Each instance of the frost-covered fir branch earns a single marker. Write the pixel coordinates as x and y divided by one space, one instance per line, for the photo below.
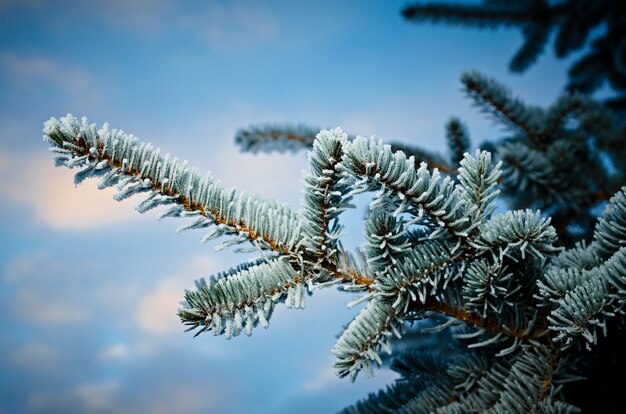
433 250
471 382
566 160
269 138
283 138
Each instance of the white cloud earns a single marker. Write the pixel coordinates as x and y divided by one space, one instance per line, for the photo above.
33 181
39 308
323 379
114 352
97 397
88 398
112 397
180 398
33 75
269 175
156 311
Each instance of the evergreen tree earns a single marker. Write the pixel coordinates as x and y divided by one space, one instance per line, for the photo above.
522 298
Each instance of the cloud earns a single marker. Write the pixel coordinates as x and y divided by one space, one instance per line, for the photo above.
231 24
323 379
180 398
220 24
38 308
26 268
114 352
35 75
156 311
111 397
32 181
269 175
34 356
87 398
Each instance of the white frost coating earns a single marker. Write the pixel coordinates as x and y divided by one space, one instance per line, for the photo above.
136 167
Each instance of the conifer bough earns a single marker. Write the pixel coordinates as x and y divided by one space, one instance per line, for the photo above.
514 302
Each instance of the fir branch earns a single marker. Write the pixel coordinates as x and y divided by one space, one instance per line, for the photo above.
243 299
393 175
280 138
562 109
469 15
479 179
574 20
458 140
580 256
365 337
136 167
610 232
531 331
433 159
496 100
326 195
389 400
582 312
486 287
418 275
584 287
386 241
576 26
535 39
587 73
527 384
515 233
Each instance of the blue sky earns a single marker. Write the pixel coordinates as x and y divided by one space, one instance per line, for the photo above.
89 288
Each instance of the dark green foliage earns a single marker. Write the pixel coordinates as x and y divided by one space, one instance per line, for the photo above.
573 21
469 382
458 140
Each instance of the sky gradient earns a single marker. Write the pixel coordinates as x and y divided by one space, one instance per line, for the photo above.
89 288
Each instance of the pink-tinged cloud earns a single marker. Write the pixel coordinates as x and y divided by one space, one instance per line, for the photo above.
156 310
33 182
38 308
111 397
88 398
